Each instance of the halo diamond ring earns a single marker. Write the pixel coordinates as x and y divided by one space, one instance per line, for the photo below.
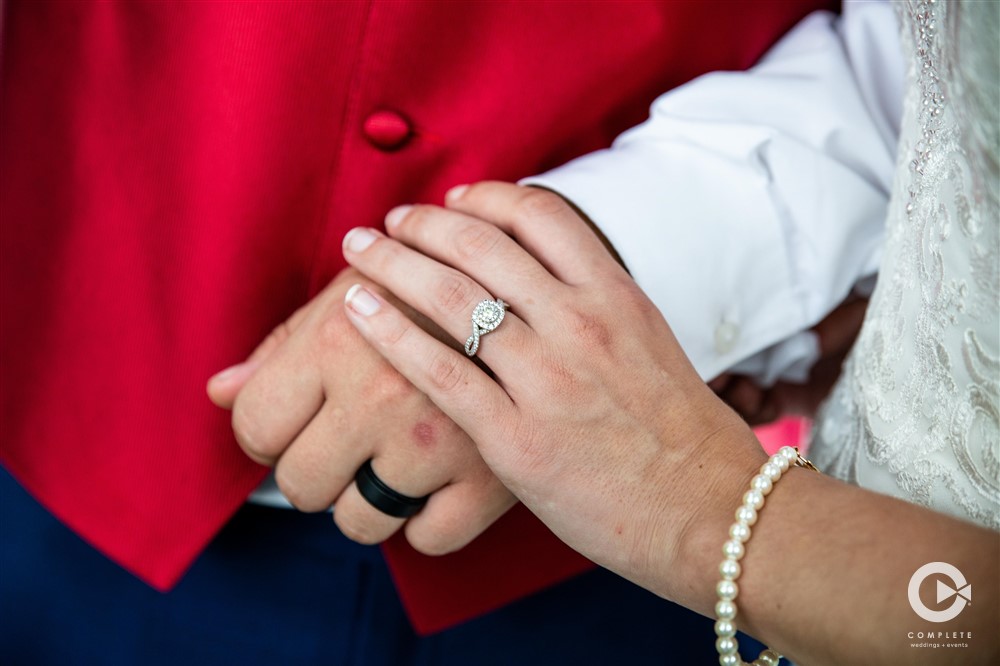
485 318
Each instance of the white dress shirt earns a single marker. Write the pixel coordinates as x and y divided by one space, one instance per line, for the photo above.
751 203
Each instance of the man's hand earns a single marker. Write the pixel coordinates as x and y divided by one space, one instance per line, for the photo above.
836 333
316 401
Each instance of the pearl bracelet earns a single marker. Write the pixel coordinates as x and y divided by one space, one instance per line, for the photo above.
733 549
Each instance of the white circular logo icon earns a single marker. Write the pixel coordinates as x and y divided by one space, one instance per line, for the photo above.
959 589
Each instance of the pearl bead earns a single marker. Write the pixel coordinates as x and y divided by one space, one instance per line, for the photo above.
746 515
771 471
725 628
725 610
733 549
726 645
753 498
768 658
730 569
761 483
740 532
727 590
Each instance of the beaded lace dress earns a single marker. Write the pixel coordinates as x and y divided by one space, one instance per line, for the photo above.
915 412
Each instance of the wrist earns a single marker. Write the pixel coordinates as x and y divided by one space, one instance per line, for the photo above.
727 461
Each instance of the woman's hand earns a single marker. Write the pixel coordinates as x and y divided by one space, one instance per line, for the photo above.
593 416
596 420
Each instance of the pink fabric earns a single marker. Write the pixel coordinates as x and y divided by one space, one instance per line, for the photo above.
786 432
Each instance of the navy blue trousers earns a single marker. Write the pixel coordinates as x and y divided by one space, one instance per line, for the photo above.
281 588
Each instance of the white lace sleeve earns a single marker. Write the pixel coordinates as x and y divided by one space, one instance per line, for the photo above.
915 413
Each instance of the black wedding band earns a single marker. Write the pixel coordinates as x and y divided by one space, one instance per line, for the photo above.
384 498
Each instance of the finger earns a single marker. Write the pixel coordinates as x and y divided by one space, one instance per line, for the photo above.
457 514
542 223
277 402
454 515
320 463
451 380
445 295
744 396
720 383
223 386
769 410
362 522
479 249
840 328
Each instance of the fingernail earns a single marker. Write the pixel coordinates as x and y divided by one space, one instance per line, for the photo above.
455 193
361 301
358 239
396 215
227 374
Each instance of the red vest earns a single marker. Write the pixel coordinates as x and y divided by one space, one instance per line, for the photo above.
177 179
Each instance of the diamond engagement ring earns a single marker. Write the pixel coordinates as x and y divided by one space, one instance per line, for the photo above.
485 318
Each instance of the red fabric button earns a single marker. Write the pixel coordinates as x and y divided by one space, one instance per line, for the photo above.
387 129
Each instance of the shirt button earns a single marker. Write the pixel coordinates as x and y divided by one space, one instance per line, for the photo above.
726 335
386 130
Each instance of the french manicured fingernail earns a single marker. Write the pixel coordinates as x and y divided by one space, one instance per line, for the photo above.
358 239
396 215
228 373
455 193
361 301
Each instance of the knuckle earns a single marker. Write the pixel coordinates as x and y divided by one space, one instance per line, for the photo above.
333 329
418 217
636 300
536 203
383 255
437 538
278 335
479 191
558 375
249 434
454 294
298 491
356 528
450 525
394 330
477 240
642 305
446 372
386 388
590 331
